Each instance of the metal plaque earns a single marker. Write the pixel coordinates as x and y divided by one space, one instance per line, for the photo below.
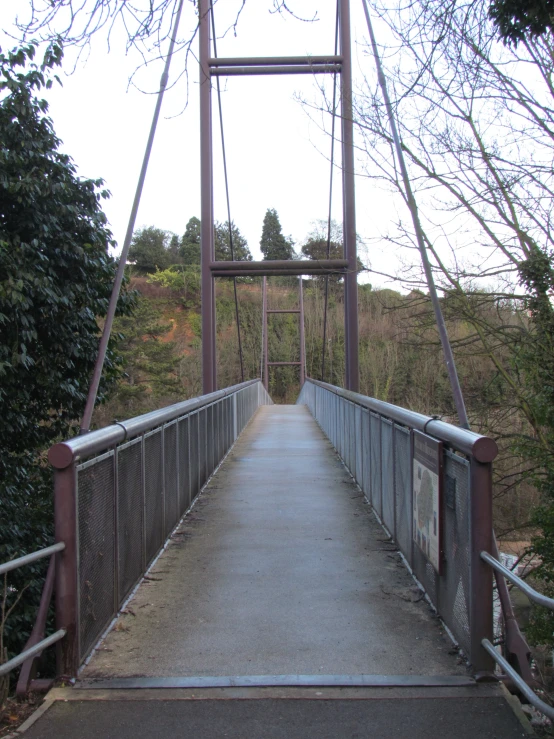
427 481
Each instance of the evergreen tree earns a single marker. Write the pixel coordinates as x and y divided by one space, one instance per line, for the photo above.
190 242
149 360
223 243
174 250
273 244
315 246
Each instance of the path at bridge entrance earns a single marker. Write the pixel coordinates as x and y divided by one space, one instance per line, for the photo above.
279 609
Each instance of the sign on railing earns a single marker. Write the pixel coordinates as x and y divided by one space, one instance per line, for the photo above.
427 494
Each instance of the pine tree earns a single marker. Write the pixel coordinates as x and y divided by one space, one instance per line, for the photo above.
190 242
241 251
273 244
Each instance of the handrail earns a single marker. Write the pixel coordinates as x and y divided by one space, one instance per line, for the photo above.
483 448
37 648
531 593
522 686
31 652
62 455
29 558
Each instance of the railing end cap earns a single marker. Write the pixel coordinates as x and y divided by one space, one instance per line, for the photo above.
485 449
60 456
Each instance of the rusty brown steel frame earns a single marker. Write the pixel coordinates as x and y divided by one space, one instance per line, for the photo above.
210 66
300 312
374 439
119 493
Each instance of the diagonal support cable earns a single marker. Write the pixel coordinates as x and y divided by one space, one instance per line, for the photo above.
237 316
412 205
516 642
102 349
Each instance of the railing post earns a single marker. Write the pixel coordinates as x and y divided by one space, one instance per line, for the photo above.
235 418
302 338
116 593
209 381
265 377
481 575
349 207
67 589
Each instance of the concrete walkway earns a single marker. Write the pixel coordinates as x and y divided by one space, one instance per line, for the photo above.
280 569
470 713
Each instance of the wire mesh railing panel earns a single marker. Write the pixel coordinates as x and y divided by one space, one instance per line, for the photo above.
455 583
130 509
194 459
202 451
210 440
96 547
426 574
220 453
359 446
366 472
184 464
153 493
403 490
240 412
337 419
343 429
375 461
340 427
171 477
351 440
387 474
228 425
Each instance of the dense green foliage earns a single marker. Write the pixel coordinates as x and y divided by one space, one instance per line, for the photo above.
325 242
519 19
190 242
223 237
55 281
535 363
150 362
273 244
151 249
155 250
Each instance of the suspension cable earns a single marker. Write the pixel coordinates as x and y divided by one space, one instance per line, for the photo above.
333 122
412 205
229 222
103 346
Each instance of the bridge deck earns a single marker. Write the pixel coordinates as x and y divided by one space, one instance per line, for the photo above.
279 569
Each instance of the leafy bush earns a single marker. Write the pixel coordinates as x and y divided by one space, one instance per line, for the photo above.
56 278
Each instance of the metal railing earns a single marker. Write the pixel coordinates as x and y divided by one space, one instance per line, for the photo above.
36 643
120 492
514 676
375 441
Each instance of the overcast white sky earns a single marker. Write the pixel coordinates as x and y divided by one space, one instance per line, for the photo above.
277 156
